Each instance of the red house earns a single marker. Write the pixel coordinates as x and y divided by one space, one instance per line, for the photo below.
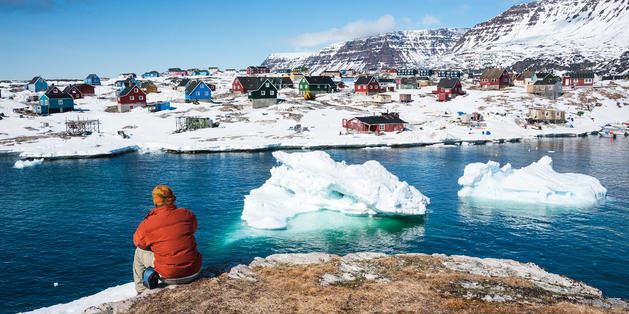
495 79
86 89
387 122
132 95
389 70
244 84
252 70
450 86
578 79
367 85
73 91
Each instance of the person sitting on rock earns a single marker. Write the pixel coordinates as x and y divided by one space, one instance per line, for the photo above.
165 241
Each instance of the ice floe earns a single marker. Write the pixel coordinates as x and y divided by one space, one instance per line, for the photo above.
312 181
21 164
536 183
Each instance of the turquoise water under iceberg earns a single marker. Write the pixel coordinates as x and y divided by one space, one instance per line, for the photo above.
70 222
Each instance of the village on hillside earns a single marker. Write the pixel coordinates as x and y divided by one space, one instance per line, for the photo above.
257 108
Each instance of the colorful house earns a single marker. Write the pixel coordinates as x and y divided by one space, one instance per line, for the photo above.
131 97
198 72
495 78
449 74
176 72
265 95
54 101
316 85
74 91
578 79
87 89
449 86
253 70
92 79
406 83
282 82
150 74
407 72
148 87
37 84
387 122
549 115
198 91
548 87
244 84
183 84
367 85
425 72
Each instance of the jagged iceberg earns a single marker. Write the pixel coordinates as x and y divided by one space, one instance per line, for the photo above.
535 183
311 181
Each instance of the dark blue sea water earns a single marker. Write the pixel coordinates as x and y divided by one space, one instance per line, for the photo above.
71 221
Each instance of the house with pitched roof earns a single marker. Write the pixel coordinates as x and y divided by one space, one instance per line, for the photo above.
197 90
387 122
92 79
408 82
548 87
131 97
367 85
74 91
451 86
54 100
37 84
176 72
148 87
265 95
150 74
317 85
496 78
86 89
578 79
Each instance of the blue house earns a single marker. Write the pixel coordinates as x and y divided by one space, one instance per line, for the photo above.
122 84
198 90
37 84
92 79
150 74
200 72
54 101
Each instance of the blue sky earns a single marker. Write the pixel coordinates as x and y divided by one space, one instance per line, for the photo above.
71 38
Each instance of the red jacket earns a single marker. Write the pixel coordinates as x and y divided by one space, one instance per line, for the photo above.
169 232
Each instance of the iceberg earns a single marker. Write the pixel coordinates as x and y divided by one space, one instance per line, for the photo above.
21 164
535 183
313 181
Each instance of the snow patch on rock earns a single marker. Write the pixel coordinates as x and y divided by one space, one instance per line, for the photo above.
312 181
536 183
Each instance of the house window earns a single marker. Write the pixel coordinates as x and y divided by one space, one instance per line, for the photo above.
381 127
262 93
135 90
272 92
141 97
131 98
588 81
207 93
198 93
267 84
60 101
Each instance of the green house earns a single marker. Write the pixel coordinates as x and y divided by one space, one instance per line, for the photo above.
316 85
265 95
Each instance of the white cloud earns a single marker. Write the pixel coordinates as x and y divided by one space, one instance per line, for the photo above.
352 30
430 20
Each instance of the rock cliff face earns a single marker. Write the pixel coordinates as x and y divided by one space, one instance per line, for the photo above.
375 282
553 34
397 49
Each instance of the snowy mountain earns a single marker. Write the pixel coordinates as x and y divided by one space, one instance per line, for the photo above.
404 48
552 33
557 34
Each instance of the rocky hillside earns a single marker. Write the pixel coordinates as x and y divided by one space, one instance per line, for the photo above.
406 48
374 282
557 34
553 33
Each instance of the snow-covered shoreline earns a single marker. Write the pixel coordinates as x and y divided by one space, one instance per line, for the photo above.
295 124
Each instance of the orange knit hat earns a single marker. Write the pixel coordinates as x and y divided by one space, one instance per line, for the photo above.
163 195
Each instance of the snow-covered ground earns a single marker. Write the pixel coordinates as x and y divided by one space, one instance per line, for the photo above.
311 181
245 128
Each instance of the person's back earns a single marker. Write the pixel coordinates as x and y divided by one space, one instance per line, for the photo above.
165 241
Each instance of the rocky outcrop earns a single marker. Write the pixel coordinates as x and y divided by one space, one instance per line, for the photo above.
376 282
